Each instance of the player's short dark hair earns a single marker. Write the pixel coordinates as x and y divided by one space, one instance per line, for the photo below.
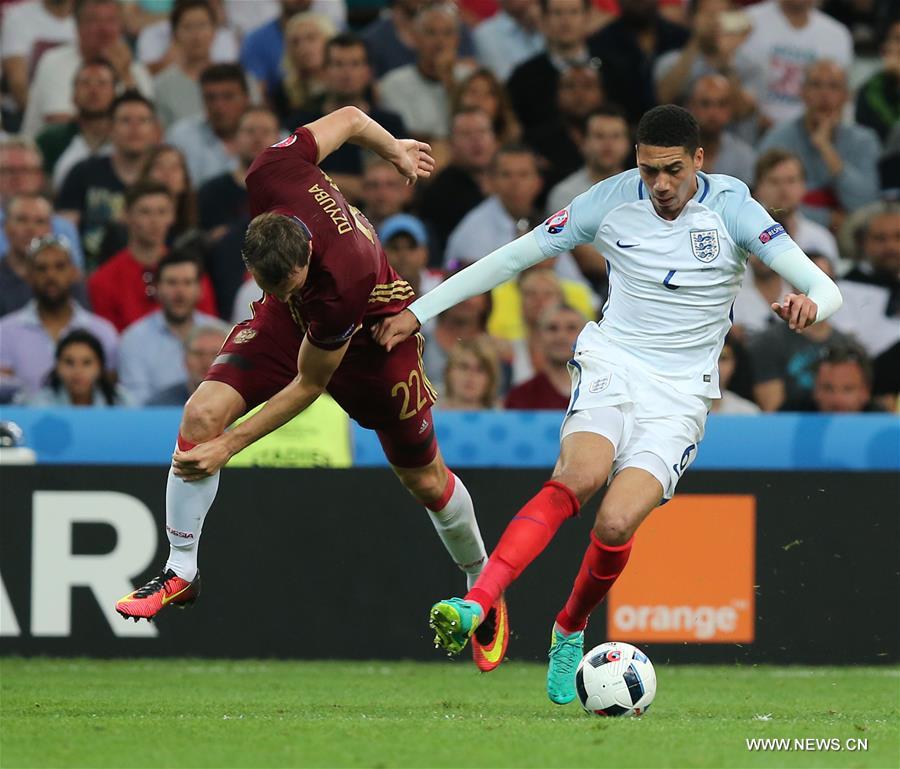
224 73
345 40
181 7
772 158
274 246
131 96
179 256
669 126
846 351
143 190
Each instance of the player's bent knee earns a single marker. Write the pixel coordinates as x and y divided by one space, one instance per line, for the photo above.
201 421
614 531
583 484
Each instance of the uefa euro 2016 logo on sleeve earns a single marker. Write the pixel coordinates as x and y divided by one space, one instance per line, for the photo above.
705 244
772 232
557 222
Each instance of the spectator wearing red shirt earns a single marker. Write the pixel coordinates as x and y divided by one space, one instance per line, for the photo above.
123 289
558 329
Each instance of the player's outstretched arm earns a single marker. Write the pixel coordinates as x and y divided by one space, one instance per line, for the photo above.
485 274
314 369
819 297
349 124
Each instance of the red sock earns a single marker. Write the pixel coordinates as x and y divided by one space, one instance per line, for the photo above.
525 537
184 444
600 568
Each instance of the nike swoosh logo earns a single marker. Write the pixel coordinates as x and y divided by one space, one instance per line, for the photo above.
620 244
493 651
167 598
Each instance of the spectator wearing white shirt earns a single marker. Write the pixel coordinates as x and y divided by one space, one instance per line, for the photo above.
787 36
151 354
510 37
177 87
157 49
29 30
420 93
65 144
99 30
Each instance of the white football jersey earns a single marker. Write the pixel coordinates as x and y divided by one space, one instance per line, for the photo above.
671 283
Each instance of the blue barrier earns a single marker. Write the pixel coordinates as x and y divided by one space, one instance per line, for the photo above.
489 439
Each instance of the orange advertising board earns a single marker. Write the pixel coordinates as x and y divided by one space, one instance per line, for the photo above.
691 574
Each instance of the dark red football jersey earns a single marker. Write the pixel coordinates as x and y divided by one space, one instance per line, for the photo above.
350 282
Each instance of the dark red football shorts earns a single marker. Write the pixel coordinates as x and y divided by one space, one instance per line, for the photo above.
387 392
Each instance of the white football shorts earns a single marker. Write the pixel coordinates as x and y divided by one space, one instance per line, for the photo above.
660 428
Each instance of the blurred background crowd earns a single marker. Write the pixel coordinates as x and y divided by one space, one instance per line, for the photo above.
128 127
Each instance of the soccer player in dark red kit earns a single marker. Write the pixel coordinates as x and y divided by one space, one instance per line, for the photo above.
327 282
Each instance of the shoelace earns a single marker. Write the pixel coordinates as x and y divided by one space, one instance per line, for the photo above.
154 585
566 662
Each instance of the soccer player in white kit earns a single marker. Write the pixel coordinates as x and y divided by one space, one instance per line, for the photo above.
676 241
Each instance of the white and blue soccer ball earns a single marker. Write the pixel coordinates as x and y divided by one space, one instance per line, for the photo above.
615 679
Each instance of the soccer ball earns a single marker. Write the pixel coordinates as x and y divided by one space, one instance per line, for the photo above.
615 679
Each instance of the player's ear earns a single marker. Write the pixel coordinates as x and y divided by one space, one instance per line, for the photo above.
698 159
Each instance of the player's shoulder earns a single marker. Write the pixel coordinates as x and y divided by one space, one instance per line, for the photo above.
625 187
721 190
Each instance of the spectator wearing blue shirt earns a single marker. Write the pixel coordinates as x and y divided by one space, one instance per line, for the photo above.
21 171
151 357
840 160
391 37
510 37
200 350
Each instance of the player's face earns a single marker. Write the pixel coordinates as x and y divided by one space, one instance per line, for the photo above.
134 129
606 143
670 176
288 287
78 369
782 188
347 71
178 291
841 387
28 218
52 275
882 243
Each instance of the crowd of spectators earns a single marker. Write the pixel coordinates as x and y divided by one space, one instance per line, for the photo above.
128 127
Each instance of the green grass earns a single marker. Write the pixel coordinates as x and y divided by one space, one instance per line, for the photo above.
191 713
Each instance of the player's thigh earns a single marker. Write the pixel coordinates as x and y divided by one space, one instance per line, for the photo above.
631 497
585 460
427 482
212 407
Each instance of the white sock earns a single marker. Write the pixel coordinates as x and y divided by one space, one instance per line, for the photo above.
458 530
186 507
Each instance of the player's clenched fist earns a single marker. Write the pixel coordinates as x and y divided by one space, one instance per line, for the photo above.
797 310
391 331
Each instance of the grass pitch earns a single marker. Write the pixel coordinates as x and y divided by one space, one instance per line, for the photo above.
192 713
